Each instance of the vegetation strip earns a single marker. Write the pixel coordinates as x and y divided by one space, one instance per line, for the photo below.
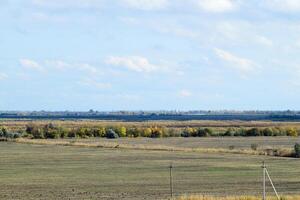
98 144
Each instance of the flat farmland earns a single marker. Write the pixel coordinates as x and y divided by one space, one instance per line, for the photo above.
30 171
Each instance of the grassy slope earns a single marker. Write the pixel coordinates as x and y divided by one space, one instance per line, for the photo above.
59 172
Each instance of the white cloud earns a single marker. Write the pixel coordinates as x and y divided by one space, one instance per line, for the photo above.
146 4
133 63
62 65
243 65
217 6
31 64
185 93
283 5
3 76
94 84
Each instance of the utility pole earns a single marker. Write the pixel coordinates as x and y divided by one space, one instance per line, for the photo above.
171 181
264 180
266 174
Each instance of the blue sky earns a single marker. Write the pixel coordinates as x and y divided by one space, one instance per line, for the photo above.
149 54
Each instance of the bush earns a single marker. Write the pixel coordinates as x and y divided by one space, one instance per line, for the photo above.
292 132
111 134
297 150
254 147
51 132
147 132
189 132
231 147
99 132
121 131
253 132
156 132
267 132
205 132
230 132
133 132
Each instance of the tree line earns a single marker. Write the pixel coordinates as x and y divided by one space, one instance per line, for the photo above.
52 131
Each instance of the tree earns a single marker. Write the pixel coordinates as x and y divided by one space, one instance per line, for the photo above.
253 132
37 133
122 131
205 132
111 134
147 132
189 132
292 132
3 132
50 131
133 132
156 132
267 132
230 132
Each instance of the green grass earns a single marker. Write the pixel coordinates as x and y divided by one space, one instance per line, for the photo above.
62 172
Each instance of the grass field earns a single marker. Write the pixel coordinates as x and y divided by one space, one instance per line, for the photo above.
66 172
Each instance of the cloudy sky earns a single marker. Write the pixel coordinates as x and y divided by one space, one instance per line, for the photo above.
149 54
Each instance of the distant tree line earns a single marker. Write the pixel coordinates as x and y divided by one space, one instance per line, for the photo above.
51 131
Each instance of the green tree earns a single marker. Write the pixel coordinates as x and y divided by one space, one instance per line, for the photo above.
267 132
205 132
111 134
253 132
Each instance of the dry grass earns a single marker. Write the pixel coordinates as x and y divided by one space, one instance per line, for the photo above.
20 124
202 197
102 144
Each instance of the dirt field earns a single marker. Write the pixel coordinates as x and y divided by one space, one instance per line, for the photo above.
61 172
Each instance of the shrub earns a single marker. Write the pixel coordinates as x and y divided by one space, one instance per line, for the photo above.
240 132
111 134
156 132
72 133
133 132
231 147
121 131
62 132
185 133
37 133
205 132
13 135
292 132
3 132
253 132
99 132
172 132
147 132
50 131
230 132
254 147
297 150
279 132
189 132
267 132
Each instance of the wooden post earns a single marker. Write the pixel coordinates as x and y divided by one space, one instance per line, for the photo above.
171 182
264 180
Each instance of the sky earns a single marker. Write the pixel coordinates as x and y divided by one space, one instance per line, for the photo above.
110 55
